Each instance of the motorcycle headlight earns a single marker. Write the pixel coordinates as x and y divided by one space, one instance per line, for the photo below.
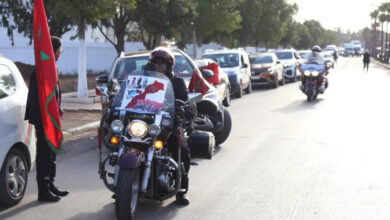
315 73
307 73
154 130
137 129
116 126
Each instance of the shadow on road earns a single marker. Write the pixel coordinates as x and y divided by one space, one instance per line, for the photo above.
107 212
20 209
300 105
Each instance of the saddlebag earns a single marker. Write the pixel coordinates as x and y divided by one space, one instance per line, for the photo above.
201 142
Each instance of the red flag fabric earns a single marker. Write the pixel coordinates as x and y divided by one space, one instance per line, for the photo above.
46 78
213 67
198 84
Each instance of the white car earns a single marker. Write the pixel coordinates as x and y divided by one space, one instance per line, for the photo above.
17 136
235 63
289 58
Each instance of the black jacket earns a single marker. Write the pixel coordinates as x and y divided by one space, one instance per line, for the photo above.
366 58
179 88
33 113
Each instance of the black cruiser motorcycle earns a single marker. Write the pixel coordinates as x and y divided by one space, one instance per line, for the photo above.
141 119
314 80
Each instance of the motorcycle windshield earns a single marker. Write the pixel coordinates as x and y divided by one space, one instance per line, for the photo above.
313 67
146 92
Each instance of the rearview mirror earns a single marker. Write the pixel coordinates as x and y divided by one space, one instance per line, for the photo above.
278 62
245 65
102 79
207 73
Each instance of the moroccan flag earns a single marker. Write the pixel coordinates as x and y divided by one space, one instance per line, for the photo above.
46 78
213 67
198 84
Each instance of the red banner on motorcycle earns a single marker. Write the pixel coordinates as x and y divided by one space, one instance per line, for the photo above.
46 78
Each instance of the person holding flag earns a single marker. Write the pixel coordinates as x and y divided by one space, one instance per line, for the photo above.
43 108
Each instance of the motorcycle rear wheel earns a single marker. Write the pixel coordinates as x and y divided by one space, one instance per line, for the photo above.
127 193
221 136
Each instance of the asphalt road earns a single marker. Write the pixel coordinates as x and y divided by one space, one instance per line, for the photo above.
285 159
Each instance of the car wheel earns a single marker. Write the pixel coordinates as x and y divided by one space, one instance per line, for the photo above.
13 179
249 88
240 93
283 81
276 83
227 100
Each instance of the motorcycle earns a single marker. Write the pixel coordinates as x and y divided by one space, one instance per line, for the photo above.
200 137
141 119
314 80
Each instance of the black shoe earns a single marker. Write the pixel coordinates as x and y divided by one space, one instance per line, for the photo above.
182 199
57 192
47 196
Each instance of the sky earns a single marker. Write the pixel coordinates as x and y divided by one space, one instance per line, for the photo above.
352 15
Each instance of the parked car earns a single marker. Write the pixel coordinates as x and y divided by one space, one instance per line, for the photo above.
17 136
266 70
222 84
236 64
304 53
328 57
289 58
184 68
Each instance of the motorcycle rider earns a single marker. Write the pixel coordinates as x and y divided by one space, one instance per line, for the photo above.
315 57
162 60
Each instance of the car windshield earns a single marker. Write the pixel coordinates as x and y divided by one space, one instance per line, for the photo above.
182 68
129 65
284 55
224 59
304 55
260 59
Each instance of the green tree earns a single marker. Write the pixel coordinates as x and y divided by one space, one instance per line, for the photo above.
218 19
82 12
119 18
17 15
316 31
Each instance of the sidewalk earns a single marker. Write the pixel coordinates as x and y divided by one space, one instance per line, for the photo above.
80 114
386 65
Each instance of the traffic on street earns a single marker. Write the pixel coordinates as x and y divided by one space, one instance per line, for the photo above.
325 159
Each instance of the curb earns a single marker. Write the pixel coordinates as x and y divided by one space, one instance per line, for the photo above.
89 126
381 64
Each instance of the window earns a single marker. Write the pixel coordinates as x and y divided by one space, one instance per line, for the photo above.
224 59
182 68
129 65
284 55
7 83
261 59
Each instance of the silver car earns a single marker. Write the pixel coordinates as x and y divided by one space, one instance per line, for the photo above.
17 136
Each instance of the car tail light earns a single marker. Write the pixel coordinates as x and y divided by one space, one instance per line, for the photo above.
97 91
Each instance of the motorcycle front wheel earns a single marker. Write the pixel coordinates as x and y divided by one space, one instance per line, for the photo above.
311 93
127 193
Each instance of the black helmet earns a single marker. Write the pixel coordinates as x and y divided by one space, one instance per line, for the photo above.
316 48
163 54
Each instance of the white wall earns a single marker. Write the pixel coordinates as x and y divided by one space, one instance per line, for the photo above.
100 55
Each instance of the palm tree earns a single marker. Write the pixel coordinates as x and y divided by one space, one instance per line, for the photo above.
382 19
374 15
